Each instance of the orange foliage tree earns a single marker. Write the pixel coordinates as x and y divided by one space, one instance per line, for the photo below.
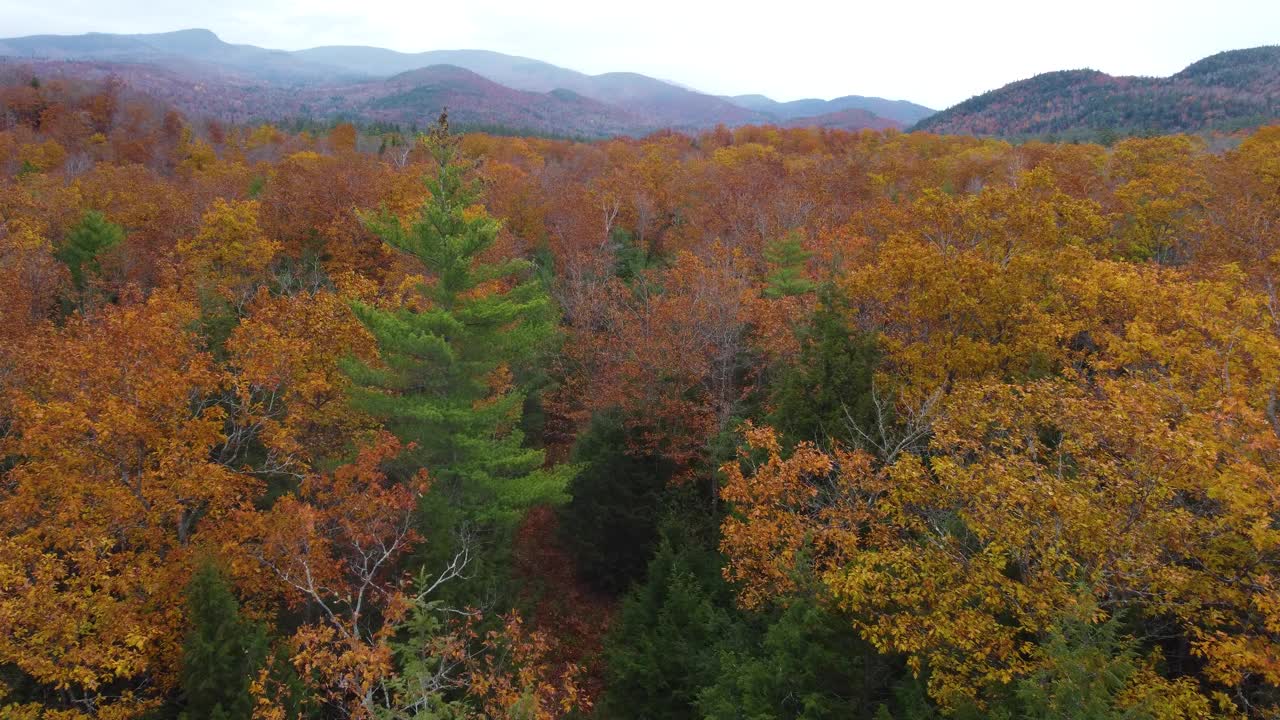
112 483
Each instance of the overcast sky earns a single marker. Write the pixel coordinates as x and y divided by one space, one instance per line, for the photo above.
935 52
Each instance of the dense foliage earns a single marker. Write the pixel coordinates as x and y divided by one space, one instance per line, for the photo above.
761 423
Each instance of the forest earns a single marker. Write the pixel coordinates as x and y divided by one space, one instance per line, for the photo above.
749 423
1227 91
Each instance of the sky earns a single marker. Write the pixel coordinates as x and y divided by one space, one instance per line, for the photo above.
934 52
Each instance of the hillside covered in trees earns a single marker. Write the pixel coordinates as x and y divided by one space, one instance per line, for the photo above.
1228 91
747 423
200 74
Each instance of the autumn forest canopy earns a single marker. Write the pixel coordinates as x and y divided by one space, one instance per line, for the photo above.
750 423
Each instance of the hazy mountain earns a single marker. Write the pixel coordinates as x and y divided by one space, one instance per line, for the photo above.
901 111
188 46
659 103
319 79
477 101
411 98
1230 90
515 72
851 119
93 45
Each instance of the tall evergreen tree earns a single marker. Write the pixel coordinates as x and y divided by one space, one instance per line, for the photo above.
611 523
804 662
223 651
664 647
786 258
829 387
84 243
457 366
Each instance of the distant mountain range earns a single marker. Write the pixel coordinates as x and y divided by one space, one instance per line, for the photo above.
907 113
1227 91
199 73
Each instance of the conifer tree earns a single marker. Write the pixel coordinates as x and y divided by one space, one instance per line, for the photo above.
457 367
611 523
664 648
85 242
223 651
805 662
830 384
786 258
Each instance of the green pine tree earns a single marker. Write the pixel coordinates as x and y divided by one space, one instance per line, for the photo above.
611 523
84 245
664 648
1085 669
786 258
829 387
442 385
809 662
223 651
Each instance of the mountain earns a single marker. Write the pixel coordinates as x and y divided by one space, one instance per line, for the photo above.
244 81
411 98
515 72
665 104
900 111
200 48
474 100
1227 91
851 119
655 102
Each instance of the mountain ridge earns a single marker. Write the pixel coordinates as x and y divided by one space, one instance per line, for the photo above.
640 103
901 111
1224 91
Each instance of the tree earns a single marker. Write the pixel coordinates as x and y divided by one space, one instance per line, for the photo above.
382 644
343 138
1088 671
786 258
30 280
230 253
289 397
611 521
111 486
223 650
459 358
334 546
312 203
827 391
664 648
669 352
84 245
153 211
807 662
1159 198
